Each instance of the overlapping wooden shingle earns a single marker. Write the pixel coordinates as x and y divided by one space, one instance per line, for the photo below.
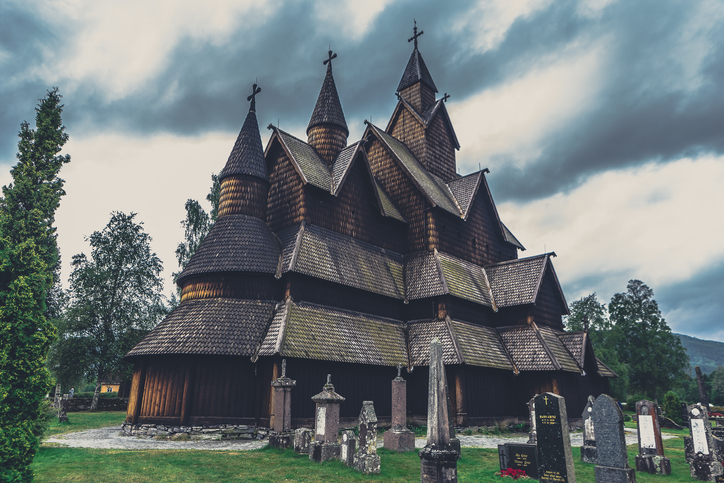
480 346
223 327
247 156
516 282
422 332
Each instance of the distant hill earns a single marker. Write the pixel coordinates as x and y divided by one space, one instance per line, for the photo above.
707 354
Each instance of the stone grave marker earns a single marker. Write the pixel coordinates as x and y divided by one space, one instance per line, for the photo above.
56 398
366 460
325 446
651 457
519 457
555 460
611 458
588 450
281 435
62 409
302 440
399 437
531 413
438 459
699 447
348 447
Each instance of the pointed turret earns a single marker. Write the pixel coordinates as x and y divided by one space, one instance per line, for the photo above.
327 130
416 85
244 179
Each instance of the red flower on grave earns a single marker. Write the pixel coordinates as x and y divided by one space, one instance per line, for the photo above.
513 473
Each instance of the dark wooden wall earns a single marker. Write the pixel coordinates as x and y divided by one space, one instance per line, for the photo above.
237 285
403 192
354 211
418 96
286 195
549 305
460 309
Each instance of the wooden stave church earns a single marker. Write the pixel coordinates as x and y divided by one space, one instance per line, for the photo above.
349 260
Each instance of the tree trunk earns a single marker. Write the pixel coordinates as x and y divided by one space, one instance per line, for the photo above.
96 396
702 389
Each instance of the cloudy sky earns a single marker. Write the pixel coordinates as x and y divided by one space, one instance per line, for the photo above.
601 121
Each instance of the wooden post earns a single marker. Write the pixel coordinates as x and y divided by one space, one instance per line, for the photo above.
460 410
136 397
187 394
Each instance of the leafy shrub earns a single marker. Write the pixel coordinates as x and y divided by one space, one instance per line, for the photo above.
632 400
672 407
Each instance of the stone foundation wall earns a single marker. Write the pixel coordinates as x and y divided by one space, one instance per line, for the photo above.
181 433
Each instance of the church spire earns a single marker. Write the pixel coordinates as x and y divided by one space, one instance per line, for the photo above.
244 180
416 85
327 130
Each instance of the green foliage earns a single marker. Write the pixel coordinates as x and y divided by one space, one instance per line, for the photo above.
633 399
197 224
672 407
654 356
716 393
115 299
28 256
588 309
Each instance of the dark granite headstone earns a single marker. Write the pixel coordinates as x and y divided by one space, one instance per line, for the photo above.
588 450
555 461
519 457
701 453
651 457
612 458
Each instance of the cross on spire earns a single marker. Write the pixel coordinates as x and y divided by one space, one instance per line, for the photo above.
445 97
415 34
329 61
254 91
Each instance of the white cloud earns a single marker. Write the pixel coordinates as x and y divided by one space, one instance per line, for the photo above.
656 223
152 177
512 120
358 16
486 24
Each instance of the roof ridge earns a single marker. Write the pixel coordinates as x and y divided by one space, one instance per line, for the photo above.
357 240
302 304
549 352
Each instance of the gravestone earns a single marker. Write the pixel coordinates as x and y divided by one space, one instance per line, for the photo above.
366 459
555 461
56 398
611 458
281 435
531 414
62 409
699 447
438 459
520 456
398 437
348 447
651 457
325 446
96 397
302 440
701 385
588 450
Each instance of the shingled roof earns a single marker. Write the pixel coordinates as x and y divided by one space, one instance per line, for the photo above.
431 186
236 243
480 346
464 189
328 109
437 107
223 327
416 71
331 256
311 331
247 156
537 349
516 282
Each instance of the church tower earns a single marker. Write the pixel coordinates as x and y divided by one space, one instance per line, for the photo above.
327 130
416 86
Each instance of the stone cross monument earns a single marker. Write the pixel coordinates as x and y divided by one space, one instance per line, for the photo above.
281 435
366 459
398 437
651 457
588 450
439 460
611 459
325 445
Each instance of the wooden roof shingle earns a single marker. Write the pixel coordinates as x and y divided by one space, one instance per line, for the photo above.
247 155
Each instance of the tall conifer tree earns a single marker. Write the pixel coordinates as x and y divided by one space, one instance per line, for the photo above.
28 259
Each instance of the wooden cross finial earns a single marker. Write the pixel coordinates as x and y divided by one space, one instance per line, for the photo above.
585 323
399 370
445 97
329 378
254 91
415 34
329 60
284 368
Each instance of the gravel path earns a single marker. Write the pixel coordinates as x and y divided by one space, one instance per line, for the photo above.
110 438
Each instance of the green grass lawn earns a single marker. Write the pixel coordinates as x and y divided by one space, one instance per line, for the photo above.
83 420
57 464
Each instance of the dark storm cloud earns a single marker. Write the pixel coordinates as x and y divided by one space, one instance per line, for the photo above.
645 110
